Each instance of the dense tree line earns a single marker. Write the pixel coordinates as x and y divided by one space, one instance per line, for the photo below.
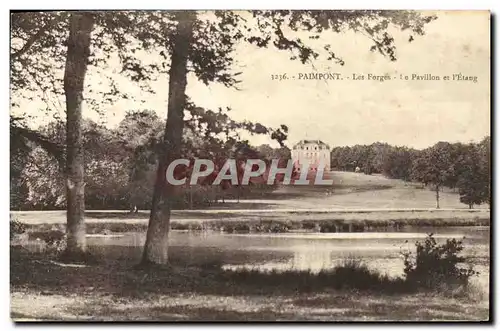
367 158
120 166
465 167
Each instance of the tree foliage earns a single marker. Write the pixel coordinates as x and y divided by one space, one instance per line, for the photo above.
473 180
120 165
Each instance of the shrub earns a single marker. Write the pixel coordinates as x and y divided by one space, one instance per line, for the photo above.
351 274
54 239
355 274
16 227
358 227
236 228
179 226
242 228
309 225
108 228
327 227
195 226
437 266
124 227
190 226
228 228
272 227
278 227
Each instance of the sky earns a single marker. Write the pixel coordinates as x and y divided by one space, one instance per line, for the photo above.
414 113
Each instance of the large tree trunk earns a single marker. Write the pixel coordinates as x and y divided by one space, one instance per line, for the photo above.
156 246
81 25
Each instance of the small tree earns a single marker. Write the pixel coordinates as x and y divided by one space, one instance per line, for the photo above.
434 166
484 149
436 265
473 180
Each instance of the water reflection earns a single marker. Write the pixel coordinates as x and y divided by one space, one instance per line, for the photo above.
301 251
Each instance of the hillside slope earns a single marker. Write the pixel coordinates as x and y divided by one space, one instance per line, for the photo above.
355 190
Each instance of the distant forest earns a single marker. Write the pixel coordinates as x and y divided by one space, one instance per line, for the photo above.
465 167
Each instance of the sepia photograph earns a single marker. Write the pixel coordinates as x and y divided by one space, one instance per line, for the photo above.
250 165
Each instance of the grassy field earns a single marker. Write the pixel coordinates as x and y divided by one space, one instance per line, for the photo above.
353 196
350 191
360 191
43 289
354 191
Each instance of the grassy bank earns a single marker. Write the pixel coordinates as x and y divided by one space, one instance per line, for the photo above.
42 288
59 216
263 225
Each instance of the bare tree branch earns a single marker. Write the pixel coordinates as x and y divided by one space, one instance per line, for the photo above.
54 149
34 38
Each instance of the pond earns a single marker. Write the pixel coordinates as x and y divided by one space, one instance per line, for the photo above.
303 251
300 251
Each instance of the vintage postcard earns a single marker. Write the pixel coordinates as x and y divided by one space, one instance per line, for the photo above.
264 165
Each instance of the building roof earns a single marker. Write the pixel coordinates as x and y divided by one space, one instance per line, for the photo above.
303 142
